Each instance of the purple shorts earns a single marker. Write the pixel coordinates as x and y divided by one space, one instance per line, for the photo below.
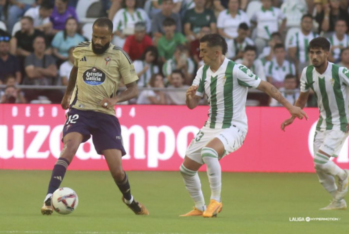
105 129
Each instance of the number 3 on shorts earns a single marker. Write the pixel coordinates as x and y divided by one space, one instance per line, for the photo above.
72 119
199 136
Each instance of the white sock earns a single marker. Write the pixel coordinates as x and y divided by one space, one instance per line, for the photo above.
49 195
193 186
214 173
129 201
322 162
327 181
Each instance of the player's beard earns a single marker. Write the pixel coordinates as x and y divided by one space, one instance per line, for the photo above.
100 50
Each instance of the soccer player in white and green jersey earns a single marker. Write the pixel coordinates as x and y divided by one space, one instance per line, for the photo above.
330 83
226 85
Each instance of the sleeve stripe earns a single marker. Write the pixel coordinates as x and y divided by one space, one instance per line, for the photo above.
126 55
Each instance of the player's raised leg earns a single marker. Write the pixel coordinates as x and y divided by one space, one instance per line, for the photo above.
189 171
71 144
113 158
210 155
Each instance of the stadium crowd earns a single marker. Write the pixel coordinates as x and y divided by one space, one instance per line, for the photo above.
270 37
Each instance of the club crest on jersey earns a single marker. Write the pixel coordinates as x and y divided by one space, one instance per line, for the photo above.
332 81
93 76
107 60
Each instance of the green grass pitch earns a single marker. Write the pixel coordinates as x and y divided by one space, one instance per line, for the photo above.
253 203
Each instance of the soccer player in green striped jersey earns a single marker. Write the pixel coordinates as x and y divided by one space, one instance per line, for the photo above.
330 83
226 85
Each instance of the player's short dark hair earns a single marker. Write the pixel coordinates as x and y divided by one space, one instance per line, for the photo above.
290 76
244 26
177 71
278 46
307 16
320 42
47 5
343 50
276 34
215 40
168 22
30 19
250 48
104 22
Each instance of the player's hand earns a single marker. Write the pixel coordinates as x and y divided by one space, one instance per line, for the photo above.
107 102
191 91
65 102
286 123
295 111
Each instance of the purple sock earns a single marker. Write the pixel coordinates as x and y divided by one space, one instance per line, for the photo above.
57 174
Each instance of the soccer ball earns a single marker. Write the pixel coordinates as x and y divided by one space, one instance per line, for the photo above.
64 200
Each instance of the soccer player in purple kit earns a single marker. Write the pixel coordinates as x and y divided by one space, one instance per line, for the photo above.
99 66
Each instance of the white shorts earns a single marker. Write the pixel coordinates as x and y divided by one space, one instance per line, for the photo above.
232 139
329 141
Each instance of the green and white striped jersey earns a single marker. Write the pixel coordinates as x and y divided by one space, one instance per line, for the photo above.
336 42
171 65
301 42
278 73
332 92
226 90
123 20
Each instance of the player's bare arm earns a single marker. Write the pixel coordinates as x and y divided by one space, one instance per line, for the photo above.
192 99
273 92
131 92
70 88
301 101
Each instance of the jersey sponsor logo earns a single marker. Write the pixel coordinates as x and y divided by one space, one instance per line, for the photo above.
93 76
83 59
332 81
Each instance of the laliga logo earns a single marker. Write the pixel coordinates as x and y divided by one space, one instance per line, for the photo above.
343 156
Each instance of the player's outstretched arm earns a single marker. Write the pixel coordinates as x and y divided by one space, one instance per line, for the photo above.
70 88
301 101
191 99
273 92
129 93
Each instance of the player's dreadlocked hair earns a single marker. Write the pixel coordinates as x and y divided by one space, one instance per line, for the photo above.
320 42
102 22
215 40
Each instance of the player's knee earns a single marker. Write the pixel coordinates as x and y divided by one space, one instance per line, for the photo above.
69 150
118 175
320 159
207 152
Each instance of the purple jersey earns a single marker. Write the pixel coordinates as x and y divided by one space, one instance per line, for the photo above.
58 20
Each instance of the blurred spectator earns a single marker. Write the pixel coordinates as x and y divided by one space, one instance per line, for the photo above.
195 45
136 44
147 66
12 95
158 19
299 42
276 70
197 18
66 39
125 19
41 70
268 52
339 40
4 5
294 10
288 91
150 96
216 6
167 44
9 64
250 61
156 6
60 14
267 21
229 20
237 45
182 62
41 16
16 10
328 14
344 58
177 81
65 68
110 7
